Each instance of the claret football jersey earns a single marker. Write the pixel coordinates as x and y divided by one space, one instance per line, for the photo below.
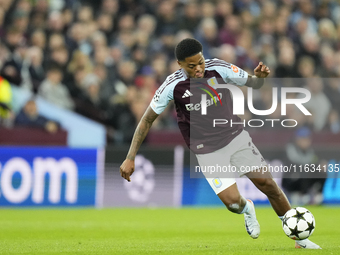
198 129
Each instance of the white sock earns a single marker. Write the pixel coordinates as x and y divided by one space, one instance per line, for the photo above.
246 207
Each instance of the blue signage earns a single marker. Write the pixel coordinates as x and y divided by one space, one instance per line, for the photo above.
37 176
331 189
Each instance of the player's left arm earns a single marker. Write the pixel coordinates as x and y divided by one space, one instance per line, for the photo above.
256 81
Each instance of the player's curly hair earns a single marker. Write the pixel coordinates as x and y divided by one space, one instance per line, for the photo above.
187 48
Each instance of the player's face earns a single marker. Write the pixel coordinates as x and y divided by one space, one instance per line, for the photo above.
194 66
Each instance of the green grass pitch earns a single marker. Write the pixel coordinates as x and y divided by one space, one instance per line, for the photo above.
155 231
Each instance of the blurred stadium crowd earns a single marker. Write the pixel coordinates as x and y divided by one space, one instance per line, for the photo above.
105 59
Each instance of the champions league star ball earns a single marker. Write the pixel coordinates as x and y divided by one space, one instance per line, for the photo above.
298 223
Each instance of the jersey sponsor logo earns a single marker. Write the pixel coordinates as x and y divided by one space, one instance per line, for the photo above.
187 93
234 68
213 98
212 82
200 146
217 182
197 106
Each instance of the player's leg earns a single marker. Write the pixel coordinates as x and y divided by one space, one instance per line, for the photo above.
226 189
232 199
236 203
265 183
248 160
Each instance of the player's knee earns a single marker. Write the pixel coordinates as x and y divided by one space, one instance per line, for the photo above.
233 203
235 207
232 199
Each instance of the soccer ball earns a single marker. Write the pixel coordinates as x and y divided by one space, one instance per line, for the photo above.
298 223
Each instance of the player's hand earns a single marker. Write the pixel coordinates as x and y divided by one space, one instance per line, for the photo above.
127 169
261 71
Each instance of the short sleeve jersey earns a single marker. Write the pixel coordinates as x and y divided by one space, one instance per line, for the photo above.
197 129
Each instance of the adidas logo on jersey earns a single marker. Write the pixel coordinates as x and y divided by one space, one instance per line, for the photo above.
187 93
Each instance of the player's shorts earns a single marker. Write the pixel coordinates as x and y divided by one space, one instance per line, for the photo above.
240 156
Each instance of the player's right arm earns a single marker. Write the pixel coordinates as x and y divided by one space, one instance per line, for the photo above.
128 166
162 97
